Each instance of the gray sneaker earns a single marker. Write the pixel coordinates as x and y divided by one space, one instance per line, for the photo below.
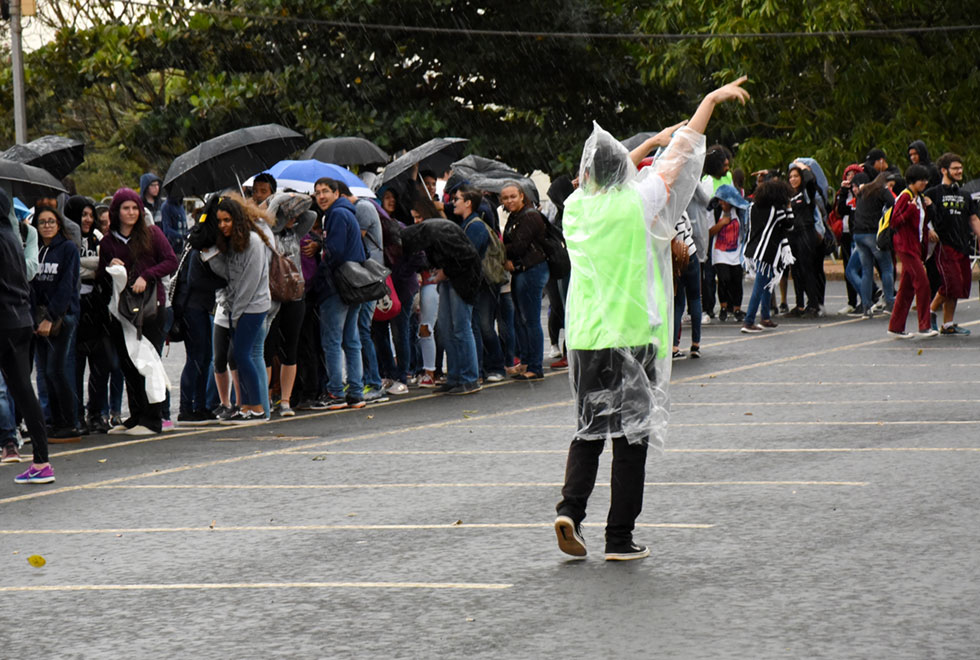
372 395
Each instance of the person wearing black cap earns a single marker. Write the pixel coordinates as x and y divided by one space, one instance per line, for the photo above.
16 331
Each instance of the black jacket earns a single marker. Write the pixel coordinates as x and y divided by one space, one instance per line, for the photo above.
15 293
446 246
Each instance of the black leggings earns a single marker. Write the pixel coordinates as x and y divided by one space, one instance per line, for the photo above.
283 339
224 357
729 285
15 365
141 411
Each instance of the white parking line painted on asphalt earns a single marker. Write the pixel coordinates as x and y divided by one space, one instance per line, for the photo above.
563 452
834 383
45 492
785 330
204 586
323 528
849 402
901 422
508 484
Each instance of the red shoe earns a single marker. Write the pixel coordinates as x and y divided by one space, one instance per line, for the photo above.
560 364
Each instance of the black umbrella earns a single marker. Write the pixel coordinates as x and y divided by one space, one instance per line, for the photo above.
58 155
971 187
437 155
490 175
222 162
28 182
345 151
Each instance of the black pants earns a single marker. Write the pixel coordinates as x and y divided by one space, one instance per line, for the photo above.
609 388
628 473
15 365
808 269
556 310
141 411
729 285
708 286
310 369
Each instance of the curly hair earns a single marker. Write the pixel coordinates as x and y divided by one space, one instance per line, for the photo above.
245 218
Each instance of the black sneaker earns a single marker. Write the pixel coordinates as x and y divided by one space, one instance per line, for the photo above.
617 552
723 314
465 388
445 388
784 309
226 413
739 315
97 424
570 539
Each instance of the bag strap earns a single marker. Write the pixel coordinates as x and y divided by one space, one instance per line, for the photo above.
176 278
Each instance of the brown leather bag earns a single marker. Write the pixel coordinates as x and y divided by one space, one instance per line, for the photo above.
679 257
286 282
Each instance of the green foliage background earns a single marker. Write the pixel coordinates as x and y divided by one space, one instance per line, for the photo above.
143 81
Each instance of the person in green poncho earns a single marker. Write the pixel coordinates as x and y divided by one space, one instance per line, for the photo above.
618 226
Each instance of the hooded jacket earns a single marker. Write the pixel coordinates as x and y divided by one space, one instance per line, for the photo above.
89 250
446 246
173 222
935 178
341 243
15 293
56 284
154 208
908 222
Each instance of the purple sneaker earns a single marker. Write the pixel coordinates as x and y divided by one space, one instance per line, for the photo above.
35 476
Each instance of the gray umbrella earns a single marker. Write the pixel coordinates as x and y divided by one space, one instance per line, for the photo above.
437 154
490 175
28 182
58 155
345 151
971 187
222 162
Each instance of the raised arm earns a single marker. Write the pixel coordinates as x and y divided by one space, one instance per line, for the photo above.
731 92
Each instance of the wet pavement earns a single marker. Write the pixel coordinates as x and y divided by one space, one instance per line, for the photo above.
817 499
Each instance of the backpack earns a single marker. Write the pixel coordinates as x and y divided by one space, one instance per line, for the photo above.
494 258
553 246
885 230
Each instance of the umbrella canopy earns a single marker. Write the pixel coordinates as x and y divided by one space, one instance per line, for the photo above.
345 151
223 161
633 142
28 182
971 187
437 154
490 175
300 175
58 155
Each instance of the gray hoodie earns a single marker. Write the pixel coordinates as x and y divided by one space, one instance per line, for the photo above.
248 276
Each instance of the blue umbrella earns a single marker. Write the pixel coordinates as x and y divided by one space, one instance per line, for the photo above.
300 175
20 208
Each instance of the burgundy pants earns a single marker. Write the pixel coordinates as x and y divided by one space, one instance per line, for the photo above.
915 282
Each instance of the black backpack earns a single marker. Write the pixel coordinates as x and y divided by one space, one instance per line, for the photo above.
553 246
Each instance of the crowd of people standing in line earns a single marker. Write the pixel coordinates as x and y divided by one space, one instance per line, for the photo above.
249 287
465 287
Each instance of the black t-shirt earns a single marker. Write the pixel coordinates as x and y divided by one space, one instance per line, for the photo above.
868 211
950 214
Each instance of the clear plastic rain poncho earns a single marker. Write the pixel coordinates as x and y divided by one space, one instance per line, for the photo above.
619 315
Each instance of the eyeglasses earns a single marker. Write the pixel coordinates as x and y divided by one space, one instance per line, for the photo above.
47 223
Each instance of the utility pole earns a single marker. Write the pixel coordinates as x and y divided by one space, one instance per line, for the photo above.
17 63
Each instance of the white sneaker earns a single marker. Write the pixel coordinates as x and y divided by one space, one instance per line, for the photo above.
927 334
879 306
398 388
555 352
286 411
686 319
900 335
705 319
139 429
848 309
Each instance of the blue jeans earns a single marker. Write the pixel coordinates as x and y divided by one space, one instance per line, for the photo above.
369 356
341 341
8 421
56 363
760 296
505 322
528 288
860 271
456 320
689 289
490 357
194 377
248 341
